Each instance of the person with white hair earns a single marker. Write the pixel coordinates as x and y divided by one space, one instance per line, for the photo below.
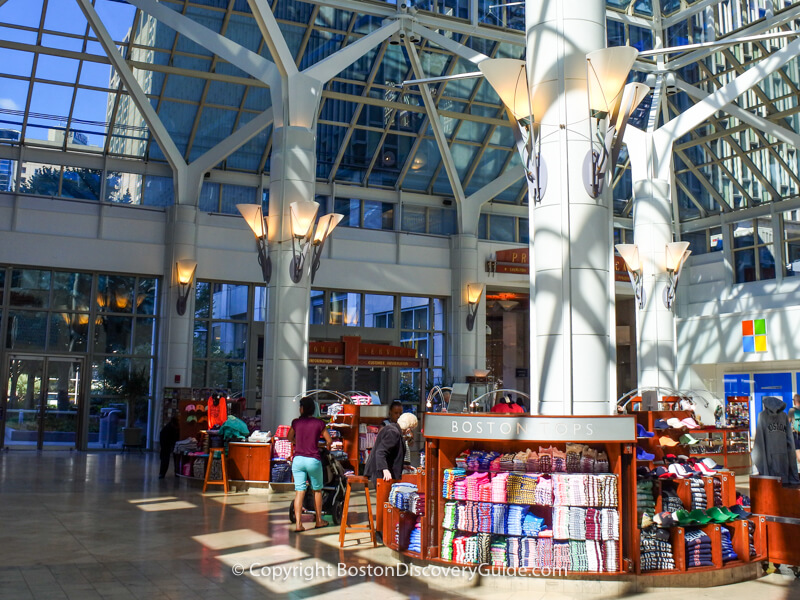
388 453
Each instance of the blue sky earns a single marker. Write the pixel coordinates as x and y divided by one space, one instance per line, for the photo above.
63 16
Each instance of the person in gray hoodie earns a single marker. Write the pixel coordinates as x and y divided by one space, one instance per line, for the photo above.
773 450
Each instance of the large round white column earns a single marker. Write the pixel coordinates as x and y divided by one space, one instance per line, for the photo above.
181 244
292 178
468 348
570 268
652 231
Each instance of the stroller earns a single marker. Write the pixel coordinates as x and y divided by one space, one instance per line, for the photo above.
333 490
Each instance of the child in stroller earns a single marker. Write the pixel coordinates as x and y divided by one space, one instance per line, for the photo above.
333 490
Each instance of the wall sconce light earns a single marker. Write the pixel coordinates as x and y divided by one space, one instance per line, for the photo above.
474 293
630 254
257 222
677 253
301 220
509 80
184 270
302 215
324 228
611 104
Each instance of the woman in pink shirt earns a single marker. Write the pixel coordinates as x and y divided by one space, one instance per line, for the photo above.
306 464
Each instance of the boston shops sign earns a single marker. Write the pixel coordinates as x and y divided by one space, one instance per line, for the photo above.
531 428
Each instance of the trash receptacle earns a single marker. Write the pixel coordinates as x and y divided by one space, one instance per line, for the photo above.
109 426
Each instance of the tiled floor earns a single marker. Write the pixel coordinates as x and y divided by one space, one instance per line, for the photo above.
83 526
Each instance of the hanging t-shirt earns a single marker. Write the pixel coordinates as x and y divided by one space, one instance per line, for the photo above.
217 411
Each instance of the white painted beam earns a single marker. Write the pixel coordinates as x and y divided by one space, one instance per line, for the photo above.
461 50
760 123
685 122
228 50
331 66
140 99
758 27
232 143
273 37
438 130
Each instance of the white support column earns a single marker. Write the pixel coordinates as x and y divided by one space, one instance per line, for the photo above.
286 328
652 231
180 243
292 178
571 354
468 348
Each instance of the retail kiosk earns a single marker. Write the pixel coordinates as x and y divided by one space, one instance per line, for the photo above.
602 489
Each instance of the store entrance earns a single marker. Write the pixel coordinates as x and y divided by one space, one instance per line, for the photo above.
41 402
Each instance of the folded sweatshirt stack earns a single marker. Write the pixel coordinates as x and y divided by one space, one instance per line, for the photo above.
655 551
698 549
645 502
728 554
717 491
561 556
498 484
751 534
513 552
451 476
699 498
577 556
415 539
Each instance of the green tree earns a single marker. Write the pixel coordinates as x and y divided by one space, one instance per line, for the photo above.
44 182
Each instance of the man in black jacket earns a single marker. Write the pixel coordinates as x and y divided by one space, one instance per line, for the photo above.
167 438
386 458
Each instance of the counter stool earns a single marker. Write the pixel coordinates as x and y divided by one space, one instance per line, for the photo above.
344 528
212 454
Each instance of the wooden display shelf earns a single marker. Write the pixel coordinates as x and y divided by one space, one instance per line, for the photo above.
358 414
648 418
180 459
249 462
404 522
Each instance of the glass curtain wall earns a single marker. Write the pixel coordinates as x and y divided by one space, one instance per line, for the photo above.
221 324
110 321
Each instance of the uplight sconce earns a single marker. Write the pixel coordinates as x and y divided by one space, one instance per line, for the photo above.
630 254
677 253
611 103
509 80
184 270
305 234
257 222
301 218
474 293
324 227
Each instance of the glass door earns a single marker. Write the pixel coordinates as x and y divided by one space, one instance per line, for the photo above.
60 410
24 401
42 402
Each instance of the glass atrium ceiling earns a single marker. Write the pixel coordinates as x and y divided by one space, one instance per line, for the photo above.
55 78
